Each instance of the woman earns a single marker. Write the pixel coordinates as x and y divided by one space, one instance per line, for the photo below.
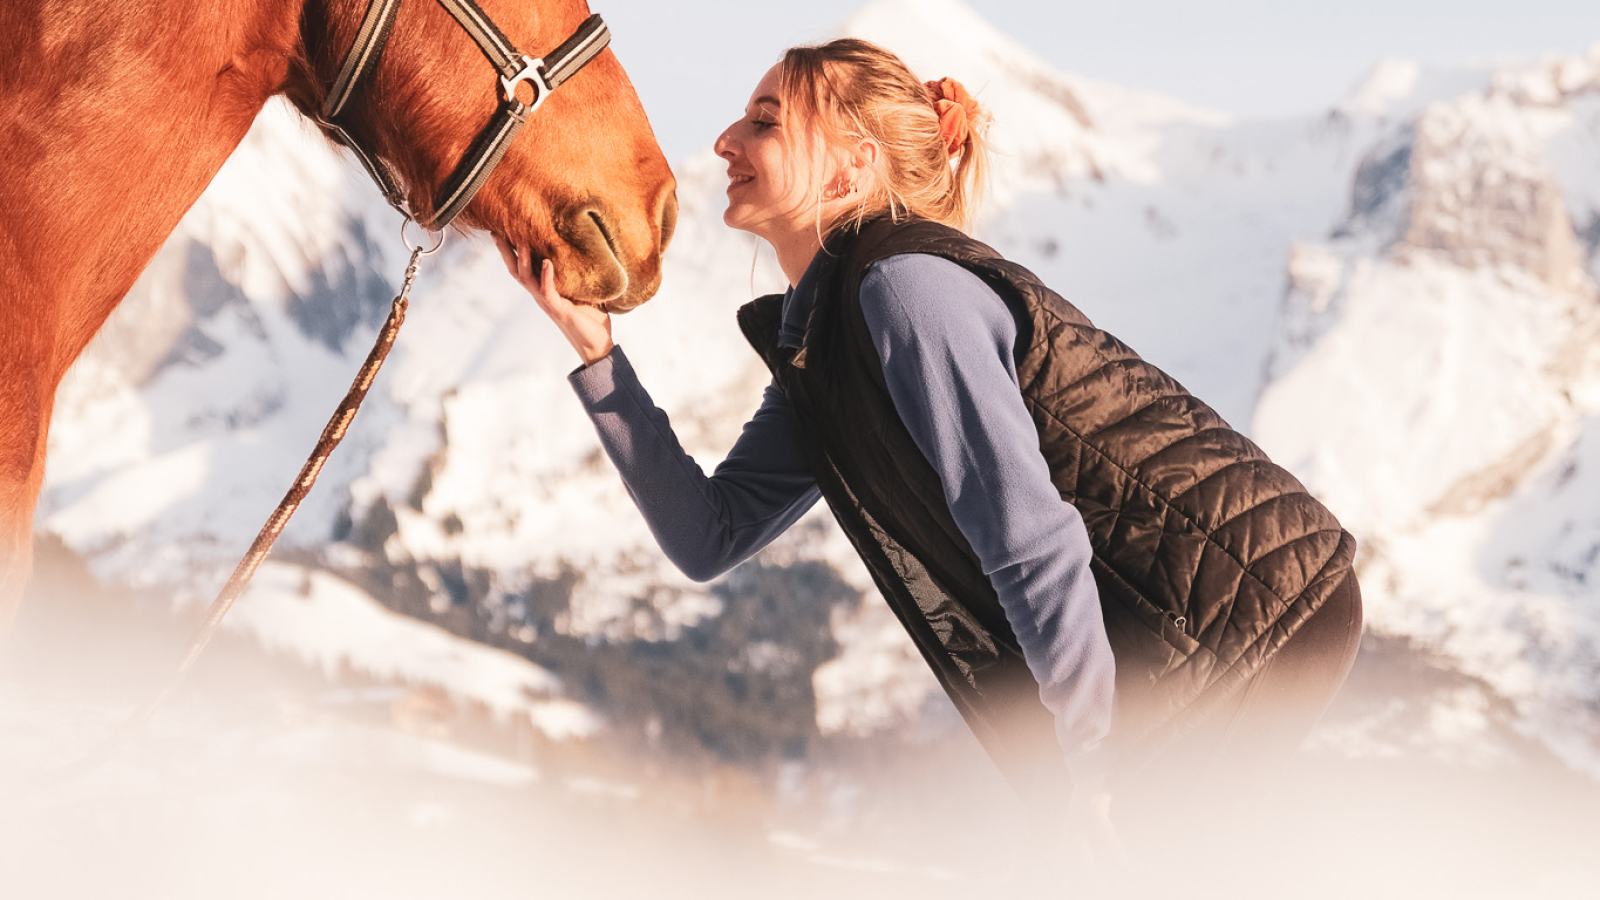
1062 529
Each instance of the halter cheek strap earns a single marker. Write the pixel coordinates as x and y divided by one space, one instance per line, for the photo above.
489 147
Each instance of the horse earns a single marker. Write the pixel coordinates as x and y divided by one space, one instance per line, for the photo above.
115 116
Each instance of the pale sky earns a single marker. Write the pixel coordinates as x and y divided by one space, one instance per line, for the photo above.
695 61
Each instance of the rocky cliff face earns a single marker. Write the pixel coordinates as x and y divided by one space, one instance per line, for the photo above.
1435 381
1483 195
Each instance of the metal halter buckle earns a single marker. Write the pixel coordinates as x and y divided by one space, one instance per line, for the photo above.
532 72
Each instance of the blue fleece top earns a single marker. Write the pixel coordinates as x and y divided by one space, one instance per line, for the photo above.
948 346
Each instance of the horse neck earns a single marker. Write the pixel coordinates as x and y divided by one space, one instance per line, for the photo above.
114 118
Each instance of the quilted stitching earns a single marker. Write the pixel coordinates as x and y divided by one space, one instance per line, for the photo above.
1185 514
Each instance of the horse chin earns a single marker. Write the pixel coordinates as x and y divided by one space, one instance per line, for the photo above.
607 283
597 282
639 290
594 272
594 262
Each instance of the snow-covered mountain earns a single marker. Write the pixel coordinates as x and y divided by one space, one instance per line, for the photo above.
1437 380
1395 296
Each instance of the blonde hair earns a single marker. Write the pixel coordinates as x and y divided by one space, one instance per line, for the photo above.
848 89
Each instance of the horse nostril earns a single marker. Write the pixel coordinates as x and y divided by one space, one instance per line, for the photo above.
598 220
601 274
669 218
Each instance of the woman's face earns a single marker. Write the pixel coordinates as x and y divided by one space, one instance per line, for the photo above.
774 180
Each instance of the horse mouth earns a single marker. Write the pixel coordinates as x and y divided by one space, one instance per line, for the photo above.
594 273
611 304
634 291
641 279
598 263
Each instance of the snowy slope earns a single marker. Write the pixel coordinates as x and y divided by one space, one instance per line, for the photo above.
1395 296
1437 381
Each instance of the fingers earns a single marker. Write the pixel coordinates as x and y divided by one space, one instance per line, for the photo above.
524 266
506 253
586 328
519 262
543 288
547 279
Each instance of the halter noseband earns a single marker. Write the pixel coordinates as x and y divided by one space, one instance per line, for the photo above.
543 75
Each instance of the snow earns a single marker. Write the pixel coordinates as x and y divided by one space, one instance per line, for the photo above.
1444 405
876 681
1399 89
1389 81
1436 387
1401 410
332 624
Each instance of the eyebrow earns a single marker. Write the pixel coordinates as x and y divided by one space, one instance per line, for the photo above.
767 99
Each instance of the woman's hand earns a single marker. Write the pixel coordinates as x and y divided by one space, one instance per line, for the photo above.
1081 846
586 328
1089 824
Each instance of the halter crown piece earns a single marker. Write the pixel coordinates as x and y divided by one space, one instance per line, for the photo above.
542 75
957 112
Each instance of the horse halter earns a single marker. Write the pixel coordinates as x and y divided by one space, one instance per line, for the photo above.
469 175
543 75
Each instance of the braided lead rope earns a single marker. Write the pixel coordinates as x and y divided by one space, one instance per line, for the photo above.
332 434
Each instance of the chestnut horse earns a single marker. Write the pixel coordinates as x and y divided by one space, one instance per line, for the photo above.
115 116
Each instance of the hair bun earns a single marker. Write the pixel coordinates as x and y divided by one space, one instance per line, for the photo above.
957 111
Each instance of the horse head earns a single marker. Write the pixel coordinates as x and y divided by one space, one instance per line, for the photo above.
584 183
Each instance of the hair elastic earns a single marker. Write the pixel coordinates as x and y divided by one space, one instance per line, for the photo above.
956 108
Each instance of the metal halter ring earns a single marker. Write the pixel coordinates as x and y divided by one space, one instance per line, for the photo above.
418 248
531 73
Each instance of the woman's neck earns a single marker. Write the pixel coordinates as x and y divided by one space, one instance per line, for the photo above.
795 250
797 243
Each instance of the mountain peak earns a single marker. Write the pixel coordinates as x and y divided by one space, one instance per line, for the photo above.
1039 115
937 38
1386 82
1397 89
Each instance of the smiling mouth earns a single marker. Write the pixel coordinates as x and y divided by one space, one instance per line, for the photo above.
736 180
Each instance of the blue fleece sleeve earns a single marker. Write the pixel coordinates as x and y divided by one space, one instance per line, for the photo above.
706 526
947 344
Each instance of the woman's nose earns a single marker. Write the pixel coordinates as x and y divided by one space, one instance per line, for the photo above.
724 145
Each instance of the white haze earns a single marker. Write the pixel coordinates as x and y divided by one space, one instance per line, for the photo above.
1395 296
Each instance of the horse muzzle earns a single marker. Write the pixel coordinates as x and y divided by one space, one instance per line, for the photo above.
617 268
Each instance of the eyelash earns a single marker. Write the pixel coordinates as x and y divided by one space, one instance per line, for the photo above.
762 124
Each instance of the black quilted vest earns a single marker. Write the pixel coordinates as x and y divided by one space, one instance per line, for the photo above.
1207 555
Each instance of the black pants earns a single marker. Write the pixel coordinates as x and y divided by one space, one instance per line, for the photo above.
1234 756
1272 714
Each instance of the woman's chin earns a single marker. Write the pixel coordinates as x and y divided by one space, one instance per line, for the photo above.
739 220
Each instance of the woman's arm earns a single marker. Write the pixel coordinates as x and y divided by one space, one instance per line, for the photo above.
706 526
947 343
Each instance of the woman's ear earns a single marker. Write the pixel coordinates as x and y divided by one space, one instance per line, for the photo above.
861 165
867 150
864 157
